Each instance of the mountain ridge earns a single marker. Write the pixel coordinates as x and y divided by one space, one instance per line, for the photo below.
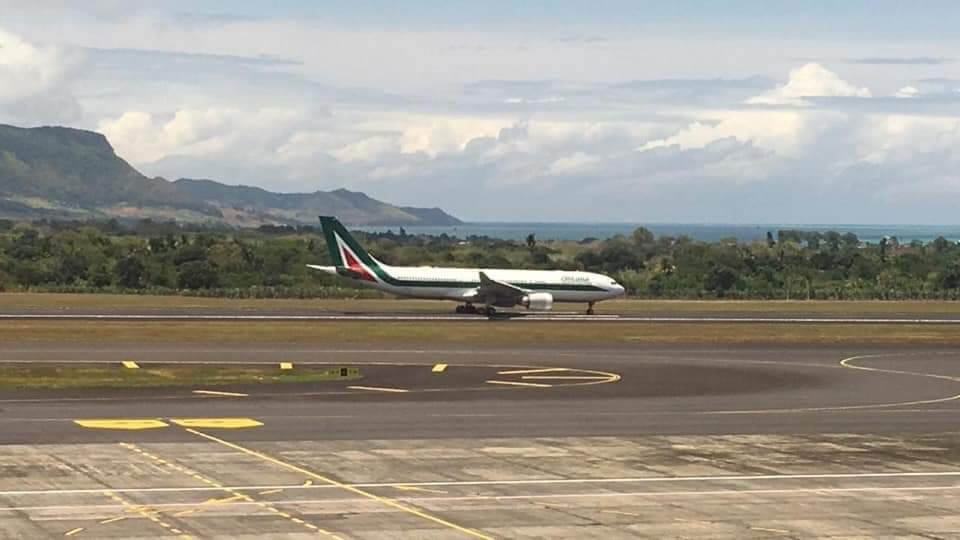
59 172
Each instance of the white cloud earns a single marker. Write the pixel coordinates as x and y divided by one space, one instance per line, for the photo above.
810 80
666 126
144 138
907 92
368 149
34 80
579 162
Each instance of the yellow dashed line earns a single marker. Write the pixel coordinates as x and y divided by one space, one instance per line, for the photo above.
286 365
72 532
111 520
346 487
130 364
236 495
270 491
439 368
145 512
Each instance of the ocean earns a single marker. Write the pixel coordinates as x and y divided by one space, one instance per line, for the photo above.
702 232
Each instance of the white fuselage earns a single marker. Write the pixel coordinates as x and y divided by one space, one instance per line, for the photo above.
461 283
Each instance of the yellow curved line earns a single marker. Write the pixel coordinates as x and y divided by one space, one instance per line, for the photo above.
847 363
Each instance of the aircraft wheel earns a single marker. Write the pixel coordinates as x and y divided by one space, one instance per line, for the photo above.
461 309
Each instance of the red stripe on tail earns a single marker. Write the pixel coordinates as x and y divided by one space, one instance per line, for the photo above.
355 265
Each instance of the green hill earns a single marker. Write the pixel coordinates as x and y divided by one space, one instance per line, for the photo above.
350 206
57 172
56 168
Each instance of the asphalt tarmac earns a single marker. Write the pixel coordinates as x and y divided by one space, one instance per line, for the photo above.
512 315
616 442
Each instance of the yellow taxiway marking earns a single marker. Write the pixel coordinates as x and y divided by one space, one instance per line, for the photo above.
113 519
218 423
72 532
439 368
307 483
527 371
567 377
377 388
130 364
515 383
145 512
236 495
219 393
131 424
270 491
357 491
225 500
286 365
415 488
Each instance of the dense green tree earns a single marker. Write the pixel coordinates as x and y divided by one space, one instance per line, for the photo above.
171 258
197 275
130 272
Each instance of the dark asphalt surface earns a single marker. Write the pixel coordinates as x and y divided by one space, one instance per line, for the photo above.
660 390
313 315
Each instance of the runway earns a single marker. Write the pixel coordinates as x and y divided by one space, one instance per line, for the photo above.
629 441
527 317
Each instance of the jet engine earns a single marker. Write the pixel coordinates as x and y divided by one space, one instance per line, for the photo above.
538 301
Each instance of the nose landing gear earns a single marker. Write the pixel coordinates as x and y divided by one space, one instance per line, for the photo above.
590 308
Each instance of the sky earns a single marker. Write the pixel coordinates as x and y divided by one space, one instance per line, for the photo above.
637 111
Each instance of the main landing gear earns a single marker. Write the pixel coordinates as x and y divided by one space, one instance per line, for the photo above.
474 310
590 308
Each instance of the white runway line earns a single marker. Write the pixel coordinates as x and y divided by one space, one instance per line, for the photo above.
353 501
378 389
515 482
219 393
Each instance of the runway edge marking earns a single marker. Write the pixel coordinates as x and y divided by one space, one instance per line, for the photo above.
357 491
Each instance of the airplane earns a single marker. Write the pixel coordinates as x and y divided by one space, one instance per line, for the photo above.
492 287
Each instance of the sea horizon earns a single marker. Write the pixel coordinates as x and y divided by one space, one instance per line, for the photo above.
708 232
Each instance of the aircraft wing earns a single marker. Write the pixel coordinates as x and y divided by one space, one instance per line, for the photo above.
491 288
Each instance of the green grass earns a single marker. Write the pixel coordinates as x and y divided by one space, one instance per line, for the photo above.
61 376
471 334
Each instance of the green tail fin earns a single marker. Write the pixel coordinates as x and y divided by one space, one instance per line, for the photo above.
334 230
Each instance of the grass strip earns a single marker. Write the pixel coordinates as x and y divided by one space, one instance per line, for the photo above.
67 303
62 376
503 333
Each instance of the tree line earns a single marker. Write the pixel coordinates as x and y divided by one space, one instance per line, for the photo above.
168 258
